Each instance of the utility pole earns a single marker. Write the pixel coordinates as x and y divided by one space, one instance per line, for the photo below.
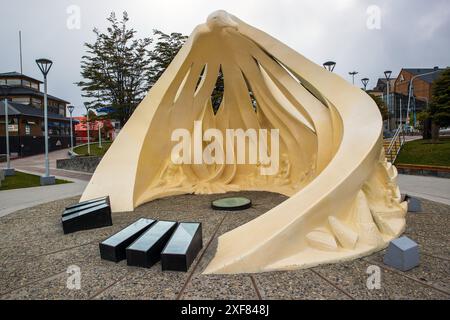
388 74
45 66
86 105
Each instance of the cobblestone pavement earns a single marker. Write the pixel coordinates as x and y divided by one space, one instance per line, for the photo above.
35 256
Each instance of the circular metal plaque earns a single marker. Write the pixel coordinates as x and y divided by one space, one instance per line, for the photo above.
232 204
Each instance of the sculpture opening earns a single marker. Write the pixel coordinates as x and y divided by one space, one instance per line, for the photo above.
230 77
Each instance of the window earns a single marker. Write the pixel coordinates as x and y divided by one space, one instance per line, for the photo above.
2 82
35 85
26 83
14 82
36 102
21 100
27 129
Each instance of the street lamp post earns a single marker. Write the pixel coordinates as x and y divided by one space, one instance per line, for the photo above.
45 65
410 91
365 82
388 74
100 135
8 171
353 74
329 65
86 105
71 108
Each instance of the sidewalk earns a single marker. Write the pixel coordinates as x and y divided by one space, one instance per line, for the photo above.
35 164
17 199
13 200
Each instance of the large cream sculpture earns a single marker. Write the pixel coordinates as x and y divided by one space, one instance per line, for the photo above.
344 200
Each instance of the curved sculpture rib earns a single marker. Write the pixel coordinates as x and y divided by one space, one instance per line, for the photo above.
344 201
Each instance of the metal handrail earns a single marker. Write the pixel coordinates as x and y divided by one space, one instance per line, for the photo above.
399 135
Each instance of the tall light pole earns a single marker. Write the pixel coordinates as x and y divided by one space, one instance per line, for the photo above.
100 135
71 108
365 82
353 74
388 74
86 105
329 65
8 171
410 90
45 65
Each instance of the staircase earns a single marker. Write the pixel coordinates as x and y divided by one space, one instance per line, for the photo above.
392 146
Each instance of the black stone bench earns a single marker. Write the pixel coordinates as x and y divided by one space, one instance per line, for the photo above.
87 215
85 205
146 250
114 248
183 247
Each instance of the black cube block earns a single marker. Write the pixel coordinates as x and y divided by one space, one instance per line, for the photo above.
183 247
91 218
146 250
113 248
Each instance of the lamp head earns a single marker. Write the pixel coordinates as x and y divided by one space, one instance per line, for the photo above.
365 82
329 65
70 108
44 65
388 74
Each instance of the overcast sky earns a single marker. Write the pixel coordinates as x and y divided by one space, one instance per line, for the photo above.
410 33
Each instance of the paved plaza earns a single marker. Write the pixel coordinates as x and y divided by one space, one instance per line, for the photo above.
36 255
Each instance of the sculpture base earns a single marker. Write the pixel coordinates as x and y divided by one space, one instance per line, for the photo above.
9 172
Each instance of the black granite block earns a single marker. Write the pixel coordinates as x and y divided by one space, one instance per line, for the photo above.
146 250
91 218
113 248
102 199
183 247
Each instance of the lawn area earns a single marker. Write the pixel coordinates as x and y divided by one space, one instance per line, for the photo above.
24 180
95 150
423 152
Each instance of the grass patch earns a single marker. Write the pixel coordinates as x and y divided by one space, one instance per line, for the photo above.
424 152
24 180
95 150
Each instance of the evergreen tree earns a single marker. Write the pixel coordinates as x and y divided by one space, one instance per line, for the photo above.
165 49
440 104
115 69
